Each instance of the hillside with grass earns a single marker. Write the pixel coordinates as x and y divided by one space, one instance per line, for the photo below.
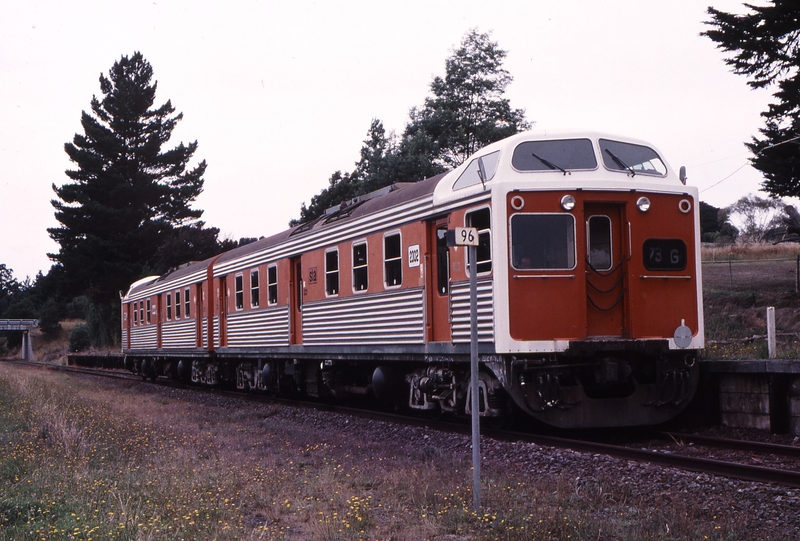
739 282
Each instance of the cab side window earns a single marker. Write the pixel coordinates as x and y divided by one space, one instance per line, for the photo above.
481 220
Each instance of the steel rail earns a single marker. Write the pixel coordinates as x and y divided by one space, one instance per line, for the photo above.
725 443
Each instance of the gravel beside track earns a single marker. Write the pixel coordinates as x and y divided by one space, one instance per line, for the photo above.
765 511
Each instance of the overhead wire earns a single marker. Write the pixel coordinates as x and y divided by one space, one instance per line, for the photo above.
747 162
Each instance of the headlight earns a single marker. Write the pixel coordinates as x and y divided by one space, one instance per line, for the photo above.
643 204
567 202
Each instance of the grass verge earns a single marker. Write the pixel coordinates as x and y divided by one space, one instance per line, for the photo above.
86 460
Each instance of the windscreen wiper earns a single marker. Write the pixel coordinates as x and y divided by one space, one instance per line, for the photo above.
549 164
621 163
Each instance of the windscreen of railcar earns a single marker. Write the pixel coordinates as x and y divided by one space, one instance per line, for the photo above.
479 170
562 155
630 158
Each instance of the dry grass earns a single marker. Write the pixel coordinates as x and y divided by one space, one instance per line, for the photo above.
737 294
86 460
752 251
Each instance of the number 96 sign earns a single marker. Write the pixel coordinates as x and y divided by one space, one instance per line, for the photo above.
462 236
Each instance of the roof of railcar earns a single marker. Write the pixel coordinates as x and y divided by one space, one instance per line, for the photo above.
184 270
359 207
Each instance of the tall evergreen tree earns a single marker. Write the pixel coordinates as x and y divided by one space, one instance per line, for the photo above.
8 287
765 47
127 195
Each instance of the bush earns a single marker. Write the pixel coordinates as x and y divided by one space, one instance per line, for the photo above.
77 308
79 339
48 319
103 324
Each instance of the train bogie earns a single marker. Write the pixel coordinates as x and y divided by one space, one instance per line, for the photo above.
589 304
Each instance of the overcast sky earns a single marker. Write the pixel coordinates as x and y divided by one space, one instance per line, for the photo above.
280 94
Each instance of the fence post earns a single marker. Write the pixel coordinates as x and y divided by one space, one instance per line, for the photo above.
730 268
771 345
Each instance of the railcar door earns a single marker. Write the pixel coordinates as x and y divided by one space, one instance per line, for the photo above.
296 301
221 339
606 282
198 314
437 260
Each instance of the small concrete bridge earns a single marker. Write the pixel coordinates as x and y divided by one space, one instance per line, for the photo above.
24 326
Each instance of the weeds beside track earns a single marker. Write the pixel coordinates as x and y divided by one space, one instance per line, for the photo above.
82 459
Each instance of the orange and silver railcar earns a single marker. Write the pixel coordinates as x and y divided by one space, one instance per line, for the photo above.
589 292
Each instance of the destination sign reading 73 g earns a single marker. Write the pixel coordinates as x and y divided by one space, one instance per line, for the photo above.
664 254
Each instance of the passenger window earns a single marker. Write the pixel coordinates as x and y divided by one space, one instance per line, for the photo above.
135 314
148 312
177 305
169 306
360 275
272 284
481 220
187 299
600 257
141 311
332 272
254 288
442 261
239 288
392 260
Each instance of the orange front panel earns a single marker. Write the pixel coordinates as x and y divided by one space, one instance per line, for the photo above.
660 299
546 308
603 287
546 292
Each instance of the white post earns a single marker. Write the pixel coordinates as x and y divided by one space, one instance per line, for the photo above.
771 345
468 236
473 358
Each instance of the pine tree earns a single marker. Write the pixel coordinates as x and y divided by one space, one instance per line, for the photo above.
765 48
127 195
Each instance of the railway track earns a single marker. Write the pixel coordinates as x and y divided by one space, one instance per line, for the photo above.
725 468
788 477
725 443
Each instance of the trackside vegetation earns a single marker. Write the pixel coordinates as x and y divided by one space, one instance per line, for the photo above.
94 460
